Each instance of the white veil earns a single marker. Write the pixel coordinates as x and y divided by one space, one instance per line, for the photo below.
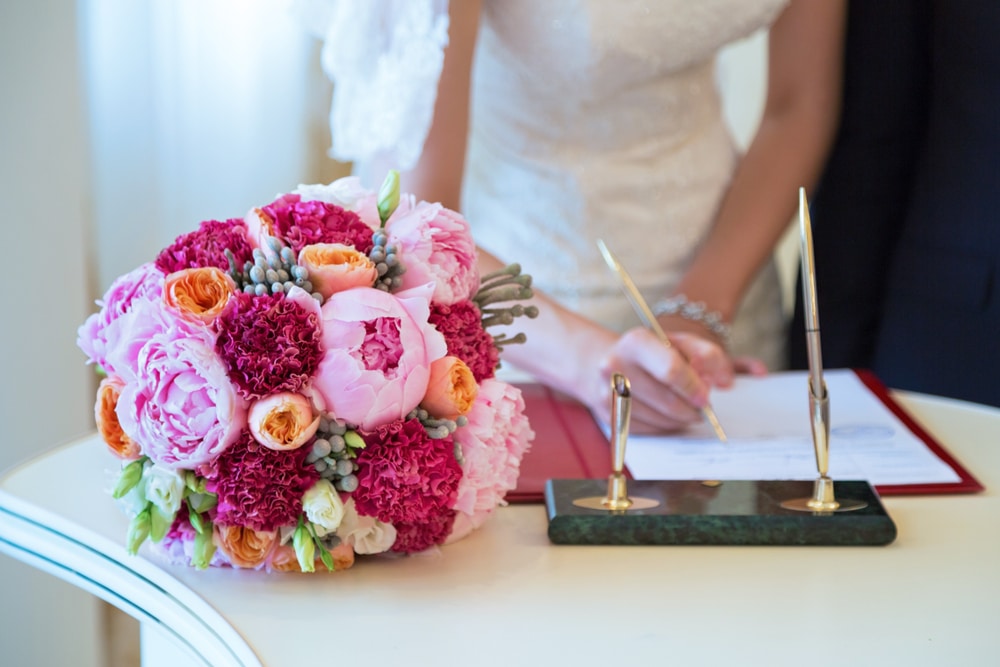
384 58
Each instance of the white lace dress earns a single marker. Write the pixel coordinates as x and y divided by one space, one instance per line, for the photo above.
597 119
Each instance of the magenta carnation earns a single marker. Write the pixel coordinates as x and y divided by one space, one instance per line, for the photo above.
270 343
259 488
206 246
404 475
461 324
414 537
300 223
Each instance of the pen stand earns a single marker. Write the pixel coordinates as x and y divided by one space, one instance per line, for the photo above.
625 511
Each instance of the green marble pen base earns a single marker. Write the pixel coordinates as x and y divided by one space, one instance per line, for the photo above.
731 512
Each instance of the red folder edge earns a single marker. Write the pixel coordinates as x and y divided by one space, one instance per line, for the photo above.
570 445
967 483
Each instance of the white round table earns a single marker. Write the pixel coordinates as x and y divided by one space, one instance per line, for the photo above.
505 595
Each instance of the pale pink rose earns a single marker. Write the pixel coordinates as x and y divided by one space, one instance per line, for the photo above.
144 283
282 421
334 267
436 245
378 349
181 407
347 193
492 444
451 389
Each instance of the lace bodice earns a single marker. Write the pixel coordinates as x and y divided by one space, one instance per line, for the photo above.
595 119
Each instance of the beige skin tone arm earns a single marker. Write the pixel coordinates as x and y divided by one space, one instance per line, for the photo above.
565 350
797 128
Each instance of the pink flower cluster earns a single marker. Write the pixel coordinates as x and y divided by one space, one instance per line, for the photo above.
279 422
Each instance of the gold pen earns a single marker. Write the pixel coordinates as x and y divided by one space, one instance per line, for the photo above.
645 314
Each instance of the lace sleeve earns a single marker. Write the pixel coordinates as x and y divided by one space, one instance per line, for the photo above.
384 58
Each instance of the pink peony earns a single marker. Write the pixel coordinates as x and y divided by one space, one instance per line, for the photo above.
128 335
436 246
301 223
414 537
206 247
180 407
259 488
461 324
378 348
142 284
492 445
405 476
270 343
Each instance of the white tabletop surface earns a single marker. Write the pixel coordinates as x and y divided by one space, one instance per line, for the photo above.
506 596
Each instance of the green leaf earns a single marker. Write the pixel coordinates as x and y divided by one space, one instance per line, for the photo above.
129 477
138 530
202 502
388 195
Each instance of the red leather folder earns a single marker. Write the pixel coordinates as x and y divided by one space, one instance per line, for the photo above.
570 445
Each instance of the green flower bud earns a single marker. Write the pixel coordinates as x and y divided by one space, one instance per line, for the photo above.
129 477
138 530
327 559
388 195
159 523
353 440
305 548
204 549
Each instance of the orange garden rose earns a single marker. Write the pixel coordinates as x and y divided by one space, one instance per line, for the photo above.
334 267
282 421
284 559
110 429
245 547
200 293
451 390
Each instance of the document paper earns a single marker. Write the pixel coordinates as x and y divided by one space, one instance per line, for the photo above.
767 421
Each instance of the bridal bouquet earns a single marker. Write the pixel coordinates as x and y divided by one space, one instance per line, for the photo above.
309 382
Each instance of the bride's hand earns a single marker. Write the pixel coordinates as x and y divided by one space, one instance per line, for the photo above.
667 390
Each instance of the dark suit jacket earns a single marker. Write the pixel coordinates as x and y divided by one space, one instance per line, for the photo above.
907 214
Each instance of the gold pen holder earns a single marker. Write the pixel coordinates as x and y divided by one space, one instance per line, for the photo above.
824 498
617 499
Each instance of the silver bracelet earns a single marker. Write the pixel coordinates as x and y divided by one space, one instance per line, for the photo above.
696 312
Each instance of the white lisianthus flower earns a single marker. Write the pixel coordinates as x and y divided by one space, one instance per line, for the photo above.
164 488
323 507
366 534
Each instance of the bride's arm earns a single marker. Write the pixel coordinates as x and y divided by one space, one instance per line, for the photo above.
564 350
787 152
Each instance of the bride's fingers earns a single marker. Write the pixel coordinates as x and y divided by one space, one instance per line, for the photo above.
706 357
750 366
665 388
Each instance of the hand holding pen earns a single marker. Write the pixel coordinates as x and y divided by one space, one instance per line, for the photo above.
685 356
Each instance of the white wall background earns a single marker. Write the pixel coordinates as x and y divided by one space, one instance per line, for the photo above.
44 189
